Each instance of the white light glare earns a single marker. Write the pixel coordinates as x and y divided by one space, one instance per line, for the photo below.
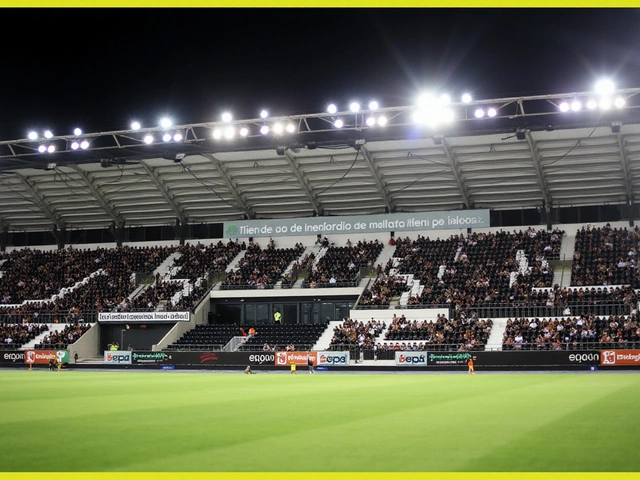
564 107
148 139
605 87
77 132
135 126
84 145
75 146
591 104
229 132
354 107
445 99
42 148
166 137
332 108
291 128
466 98
373 105
338 123
371 121
48 134
576 105
278 128
605 104
447 115
33 135
492 112
165 123
244 131
226 117
177 137
382 121
51 148
217 133
264 114
619 102
479 113
264 130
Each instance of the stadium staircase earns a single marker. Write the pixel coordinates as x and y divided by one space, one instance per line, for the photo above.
325 339
53 328
165 268
290 267
385 255
562 268
494 342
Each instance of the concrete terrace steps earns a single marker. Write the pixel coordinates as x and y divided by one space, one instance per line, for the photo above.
325 339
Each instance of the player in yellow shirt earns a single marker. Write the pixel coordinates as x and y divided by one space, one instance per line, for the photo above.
293 368
470 365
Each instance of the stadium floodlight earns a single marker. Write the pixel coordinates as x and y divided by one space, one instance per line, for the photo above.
371 121
226 117
166 137
426 100
382 121
564 107
619 102
42 148
135 126
264 130
48 134
492 112
479 113
448 115
278 128
592 104
77 132
466 98
148 139
217 133
51 148
332 108
75 145
338 123
84 145
264 114
177 137
33 135
418 116
605 103
445 99
291 128
576 105
354 107
605 87
373 105
244 131
166 122
229 132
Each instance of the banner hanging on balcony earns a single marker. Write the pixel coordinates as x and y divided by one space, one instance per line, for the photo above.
396 222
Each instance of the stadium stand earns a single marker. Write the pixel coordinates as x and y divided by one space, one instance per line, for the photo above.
13 336
61 339
340 266
206 337
279 337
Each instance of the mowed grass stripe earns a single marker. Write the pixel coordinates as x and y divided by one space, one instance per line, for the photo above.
234 422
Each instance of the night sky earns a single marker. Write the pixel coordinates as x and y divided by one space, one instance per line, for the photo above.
101 69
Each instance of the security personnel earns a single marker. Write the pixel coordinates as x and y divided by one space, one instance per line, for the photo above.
277 317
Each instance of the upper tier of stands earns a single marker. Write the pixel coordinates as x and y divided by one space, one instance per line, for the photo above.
340 266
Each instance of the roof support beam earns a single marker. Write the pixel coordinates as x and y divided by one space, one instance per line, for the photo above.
41 202
374 171
624 161
535 156
293 163
99 196
233 188
455 169
155 178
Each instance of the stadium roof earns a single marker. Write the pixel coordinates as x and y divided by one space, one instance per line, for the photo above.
413 170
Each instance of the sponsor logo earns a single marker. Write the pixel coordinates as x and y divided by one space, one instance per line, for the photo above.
31 356
620 357
411 359
608 358
144 317
149 357
117 357
333 359
43 356
284 359
14 356
584 357
281 358
260 359
208 357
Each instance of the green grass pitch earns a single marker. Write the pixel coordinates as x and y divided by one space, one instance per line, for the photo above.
216 422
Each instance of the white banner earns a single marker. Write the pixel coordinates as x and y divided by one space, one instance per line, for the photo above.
144 317
333 359
411 359
117 357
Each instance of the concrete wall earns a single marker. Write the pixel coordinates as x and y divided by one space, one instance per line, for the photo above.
88 345
409 313
200 317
